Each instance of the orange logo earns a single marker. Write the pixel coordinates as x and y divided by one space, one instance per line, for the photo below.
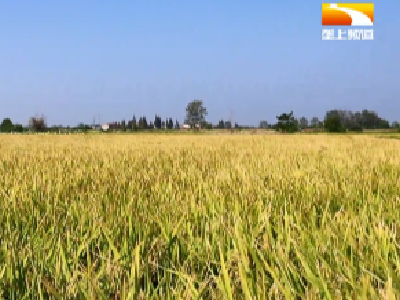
347 14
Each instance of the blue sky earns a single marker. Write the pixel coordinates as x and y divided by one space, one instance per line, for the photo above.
73 60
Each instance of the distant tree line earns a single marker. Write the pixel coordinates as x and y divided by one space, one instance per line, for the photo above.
333 121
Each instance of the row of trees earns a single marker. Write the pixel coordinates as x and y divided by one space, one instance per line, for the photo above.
195 115
158 123
35 123
334 121
196 112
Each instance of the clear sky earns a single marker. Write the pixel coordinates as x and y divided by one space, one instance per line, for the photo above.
72 60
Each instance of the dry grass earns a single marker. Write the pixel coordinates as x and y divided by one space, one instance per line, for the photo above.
199 217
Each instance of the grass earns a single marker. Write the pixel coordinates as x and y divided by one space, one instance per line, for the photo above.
199 217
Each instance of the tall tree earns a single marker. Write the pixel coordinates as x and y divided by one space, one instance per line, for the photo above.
157 122
195 113
296 124
132 124
6 125
170 123
333 123
123 125
140 123
286 122
37 124
145 125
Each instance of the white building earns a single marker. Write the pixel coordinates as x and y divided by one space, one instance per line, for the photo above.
105 127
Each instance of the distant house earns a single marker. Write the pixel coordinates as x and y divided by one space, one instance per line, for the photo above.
185 126
111 126
105 127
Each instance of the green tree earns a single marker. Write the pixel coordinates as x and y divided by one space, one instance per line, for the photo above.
6 125
170 124
286 123
195 113
359 120
18 128
334 124
145 125
123 125
157 122
140 125
134 125
296 125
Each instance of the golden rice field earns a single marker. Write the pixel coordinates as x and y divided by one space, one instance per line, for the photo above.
199 217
